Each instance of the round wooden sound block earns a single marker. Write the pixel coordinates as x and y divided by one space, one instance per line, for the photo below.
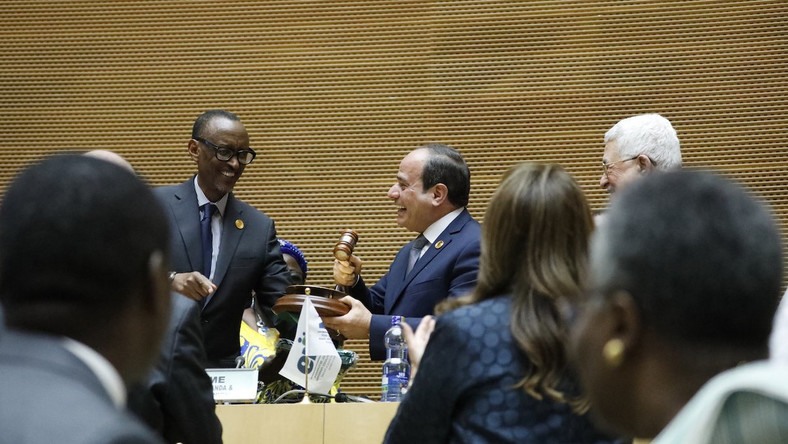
324 300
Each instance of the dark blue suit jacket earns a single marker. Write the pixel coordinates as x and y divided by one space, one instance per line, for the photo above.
447 269
249 259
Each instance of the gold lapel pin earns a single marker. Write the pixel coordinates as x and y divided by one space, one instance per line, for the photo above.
239 224
439 244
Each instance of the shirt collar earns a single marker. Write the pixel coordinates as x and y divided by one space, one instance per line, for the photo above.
104 371
221 204
433 231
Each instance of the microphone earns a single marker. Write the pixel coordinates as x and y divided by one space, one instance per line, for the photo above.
341 397
239 361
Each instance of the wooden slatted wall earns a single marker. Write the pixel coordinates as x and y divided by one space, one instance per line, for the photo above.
335 93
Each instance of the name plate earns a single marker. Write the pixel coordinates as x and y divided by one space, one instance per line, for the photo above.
233 384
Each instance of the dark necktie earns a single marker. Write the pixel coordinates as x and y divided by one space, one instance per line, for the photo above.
207 238
415 251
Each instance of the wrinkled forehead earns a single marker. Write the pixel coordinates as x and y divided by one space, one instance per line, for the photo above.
611 153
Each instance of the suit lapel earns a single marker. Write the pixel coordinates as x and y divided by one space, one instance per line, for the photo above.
443 240
187 215
397 276
232 231
401 262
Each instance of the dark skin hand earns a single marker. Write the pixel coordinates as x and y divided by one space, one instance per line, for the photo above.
193 285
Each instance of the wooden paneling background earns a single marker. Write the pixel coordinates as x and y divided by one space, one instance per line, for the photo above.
335 93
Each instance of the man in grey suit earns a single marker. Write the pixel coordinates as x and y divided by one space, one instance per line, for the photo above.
83 283
222 248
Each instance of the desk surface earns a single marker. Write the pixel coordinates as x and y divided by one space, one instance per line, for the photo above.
346 423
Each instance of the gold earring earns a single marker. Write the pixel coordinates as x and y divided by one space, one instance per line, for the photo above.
613 352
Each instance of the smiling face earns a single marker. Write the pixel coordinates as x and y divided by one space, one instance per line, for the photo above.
416 206
215 177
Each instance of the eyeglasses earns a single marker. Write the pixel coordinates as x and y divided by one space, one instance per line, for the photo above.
606 166
245 157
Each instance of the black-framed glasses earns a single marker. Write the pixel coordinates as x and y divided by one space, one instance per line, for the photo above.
606 166
245 157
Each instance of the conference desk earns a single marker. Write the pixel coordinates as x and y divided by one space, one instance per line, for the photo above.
346 423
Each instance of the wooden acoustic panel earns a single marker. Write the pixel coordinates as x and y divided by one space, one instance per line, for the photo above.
334 94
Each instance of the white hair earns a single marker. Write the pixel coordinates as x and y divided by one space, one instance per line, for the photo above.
649 134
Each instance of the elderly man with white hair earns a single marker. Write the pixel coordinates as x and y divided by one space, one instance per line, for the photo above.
636 146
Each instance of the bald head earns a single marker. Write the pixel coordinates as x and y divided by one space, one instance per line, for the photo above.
111 157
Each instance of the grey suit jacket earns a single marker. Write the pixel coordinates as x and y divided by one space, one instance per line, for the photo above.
249 259
50 396
177 399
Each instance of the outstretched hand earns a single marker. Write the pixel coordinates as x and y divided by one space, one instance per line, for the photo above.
193 285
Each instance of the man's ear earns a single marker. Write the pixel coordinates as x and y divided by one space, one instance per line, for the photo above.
645 164
194 150
625 316
440 193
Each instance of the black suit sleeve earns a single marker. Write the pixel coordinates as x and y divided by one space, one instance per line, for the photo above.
186 397
273 282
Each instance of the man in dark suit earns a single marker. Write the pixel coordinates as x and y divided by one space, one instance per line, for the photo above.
177 399
432 190
222 248
83 283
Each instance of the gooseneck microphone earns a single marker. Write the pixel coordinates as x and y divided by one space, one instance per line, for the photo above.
239 361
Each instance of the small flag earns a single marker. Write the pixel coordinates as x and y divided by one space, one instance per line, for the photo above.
312 347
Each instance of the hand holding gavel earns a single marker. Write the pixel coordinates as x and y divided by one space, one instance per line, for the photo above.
346 265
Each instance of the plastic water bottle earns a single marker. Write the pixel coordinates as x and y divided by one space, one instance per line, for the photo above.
396 369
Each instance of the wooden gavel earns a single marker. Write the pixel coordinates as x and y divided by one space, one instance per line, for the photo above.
344 249
347 243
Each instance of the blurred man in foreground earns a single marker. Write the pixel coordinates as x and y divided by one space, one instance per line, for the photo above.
176 399
685 279
83 283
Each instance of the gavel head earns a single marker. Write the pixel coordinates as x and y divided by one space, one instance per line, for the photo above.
347 243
